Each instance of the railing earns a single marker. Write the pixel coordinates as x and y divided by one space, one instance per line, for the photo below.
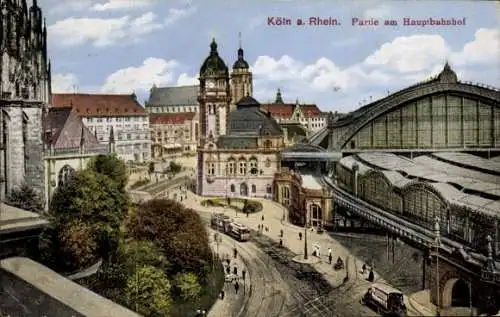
104 149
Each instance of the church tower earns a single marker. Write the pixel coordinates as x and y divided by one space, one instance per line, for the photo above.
241 79
214 97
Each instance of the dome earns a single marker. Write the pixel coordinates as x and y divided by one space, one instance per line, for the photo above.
240 63
213 64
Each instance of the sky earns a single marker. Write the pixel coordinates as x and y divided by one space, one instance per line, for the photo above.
125 46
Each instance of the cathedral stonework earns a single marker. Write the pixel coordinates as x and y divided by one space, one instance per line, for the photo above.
24 94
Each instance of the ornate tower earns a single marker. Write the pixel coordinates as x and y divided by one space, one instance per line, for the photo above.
214 95
241 79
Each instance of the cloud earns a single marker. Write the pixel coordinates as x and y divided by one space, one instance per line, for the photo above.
176 14
102 32
122 4
485 48
410 53
64 83
141 78
378 12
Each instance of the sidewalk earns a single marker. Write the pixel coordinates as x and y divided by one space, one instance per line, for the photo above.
273 219
232 302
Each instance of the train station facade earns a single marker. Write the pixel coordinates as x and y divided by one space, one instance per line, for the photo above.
430 151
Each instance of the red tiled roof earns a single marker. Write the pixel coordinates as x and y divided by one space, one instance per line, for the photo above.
280 110
286 110
310 110
171 118
99 104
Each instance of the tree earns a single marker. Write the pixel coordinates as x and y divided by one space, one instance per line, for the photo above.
96 200
148 291
188 286
135 254
179 232
112 167
25 198
79 245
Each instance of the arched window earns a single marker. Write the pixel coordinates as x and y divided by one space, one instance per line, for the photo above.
244 189
65 175
242 164
285 196
254 189
253 166
232 188
316 214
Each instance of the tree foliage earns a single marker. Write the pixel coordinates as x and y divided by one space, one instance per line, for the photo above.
179 232
78 245
134 254
25 198
95 200
148 290
112 167
188 286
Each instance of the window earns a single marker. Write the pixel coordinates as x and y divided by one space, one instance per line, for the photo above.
269 189
233 189
25 142
253 166
129 136
65 175
254 189
231 167
268 163
243 167
268 144
211 169
285 196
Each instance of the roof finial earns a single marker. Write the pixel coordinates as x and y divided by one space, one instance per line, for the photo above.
239 39
279 99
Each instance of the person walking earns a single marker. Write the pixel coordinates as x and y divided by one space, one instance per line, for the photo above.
281 233
371 276
330 258
235 253
281 243
329 251
236 287
243 273
300 236
235 270
228 269
364 268
262 218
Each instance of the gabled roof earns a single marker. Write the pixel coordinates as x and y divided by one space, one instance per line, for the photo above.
173 96
106 105
285 110
171 118
64 129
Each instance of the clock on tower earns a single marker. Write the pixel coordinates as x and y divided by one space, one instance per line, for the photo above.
210 83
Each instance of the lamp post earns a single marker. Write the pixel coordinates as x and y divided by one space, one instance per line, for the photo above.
437 243
305 240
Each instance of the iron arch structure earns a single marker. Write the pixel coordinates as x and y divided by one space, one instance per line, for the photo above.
441 113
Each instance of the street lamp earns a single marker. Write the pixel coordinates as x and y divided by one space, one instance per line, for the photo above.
305 239
437 243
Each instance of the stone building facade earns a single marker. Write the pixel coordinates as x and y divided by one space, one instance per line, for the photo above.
172 99
243 162
121 113
173 134
24 94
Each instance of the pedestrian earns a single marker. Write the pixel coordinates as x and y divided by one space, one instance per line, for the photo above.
371 276
228 269
281 242
235 253
281 233
204 313
329 251
235 270
330 258
243 273
198 313
262 218
236 287
267 229
228 261
300 236
222 294
364 268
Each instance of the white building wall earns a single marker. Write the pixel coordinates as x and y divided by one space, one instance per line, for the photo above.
132 135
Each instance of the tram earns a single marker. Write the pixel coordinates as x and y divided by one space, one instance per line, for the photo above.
223 223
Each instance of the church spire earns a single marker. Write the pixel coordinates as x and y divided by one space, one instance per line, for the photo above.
279 99
213 47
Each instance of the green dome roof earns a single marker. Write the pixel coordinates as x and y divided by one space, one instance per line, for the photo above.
240 63
213 64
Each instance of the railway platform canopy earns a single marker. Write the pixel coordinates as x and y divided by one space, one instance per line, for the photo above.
456 185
